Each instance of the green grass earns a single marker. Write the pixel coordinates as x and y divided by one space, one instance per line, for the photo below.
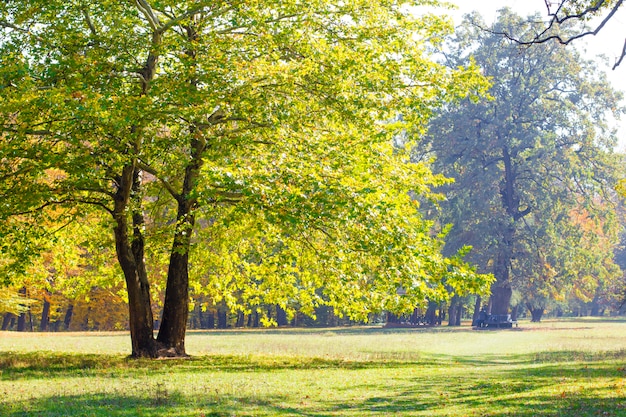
565 368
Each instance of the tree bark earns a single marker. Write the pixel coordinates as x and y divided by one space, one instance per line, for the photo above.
7 321
500 297
222 317
515 312
21 319
45 313
453 311
477 306
176 307
501 290
431 317
130 255
536 313
281 316
68 316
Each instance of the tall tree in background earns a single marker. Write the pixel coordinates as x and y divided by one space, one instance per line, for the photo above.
267 124
530 166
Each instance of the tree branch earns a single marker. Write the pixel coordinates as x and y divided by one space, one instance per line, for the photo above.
170 189
146 10
544 36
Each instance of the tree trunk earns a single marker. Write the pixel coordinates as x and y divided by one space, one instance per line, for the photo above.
45 313
210 320
453 311
130 255
222 317
281 316
595 304
501 291
176 307
240 319
514 313
431 316
68 316
7 321
477 305
459 314
21 319
536 313
21 322
500 297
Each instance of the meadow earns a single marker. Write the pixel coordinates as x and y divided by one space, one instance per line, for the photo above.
557 368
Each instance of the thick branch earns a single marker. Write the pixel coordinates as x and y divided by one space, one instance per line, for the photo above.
148 13
170 189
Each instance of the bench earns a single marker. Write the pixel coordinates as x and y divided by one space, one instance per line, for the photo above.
496 321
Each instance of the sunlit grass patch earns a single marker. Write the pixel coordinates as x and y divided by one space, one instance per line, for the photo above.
552 369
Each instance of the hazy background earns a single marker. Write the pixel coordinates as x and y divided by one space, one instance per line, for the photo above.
609 42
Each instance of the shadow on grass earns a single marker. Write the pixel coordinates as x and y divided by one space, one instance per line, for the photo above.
475 397
37 365
50 365
545 384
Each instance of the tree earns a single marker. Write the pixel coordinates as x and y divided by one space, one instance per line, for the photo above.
528 166
574 15
253 125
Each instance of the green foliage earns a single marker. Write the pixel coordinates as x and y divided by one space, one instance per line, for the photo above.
13 302
533 168
270 123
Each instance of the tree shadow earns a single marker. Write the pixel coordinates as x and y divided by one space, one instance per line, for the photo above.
38 365
554 383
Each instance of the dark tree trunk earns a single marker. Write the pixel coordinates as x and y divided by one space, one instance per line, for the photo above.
222 317
21 322
281 316
176 307
453 311
477 306
536 313
595 305
501 291
442 314
240 319
130 255
7 321
459 314
431 314
67 320
45 313
500 297
210 320
514 313
21 319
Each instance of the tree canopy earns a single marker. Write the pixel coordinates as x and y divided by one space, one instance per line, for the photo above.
534 167
260 140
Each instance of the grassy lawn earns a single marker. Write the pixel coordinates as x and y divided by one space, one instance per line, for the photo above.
565 368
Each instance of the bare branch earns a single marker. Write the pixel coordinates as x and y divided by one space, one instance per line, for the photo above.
621 57
544 36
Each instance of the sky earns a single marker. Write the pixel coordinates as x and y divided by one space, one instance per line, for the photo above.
608 42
